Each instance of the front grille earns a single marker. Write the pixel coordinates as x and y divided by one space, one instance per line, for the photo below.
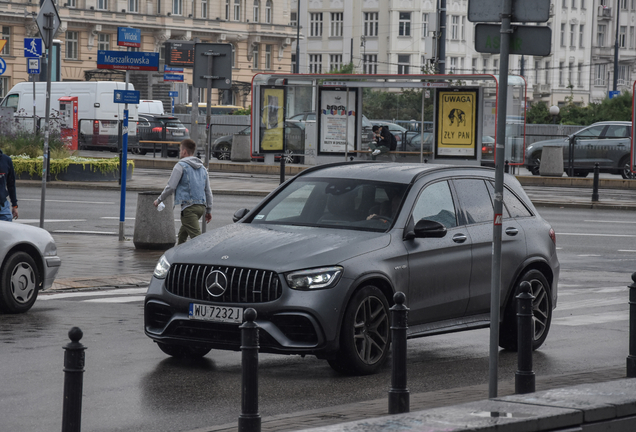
245 285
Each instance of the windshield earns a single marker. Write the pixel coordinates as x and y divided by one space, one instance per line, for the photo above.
335 203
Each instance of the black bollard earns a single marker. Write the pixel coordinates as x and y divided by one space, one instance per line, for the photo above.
399 393
250 419
631 358
282 168
73 382
524 377
507 167
595 184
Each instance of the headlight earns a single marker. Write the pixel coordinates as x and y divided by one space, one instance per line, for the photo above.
325 277
50 249
161 270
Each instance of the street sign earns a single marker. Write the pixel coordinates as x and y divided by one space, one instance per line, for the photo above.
127 60
172 77
3 66
522 11
172 69
126 96
180 53
48 28
435 84
221 73
33 47
524 40
614 93
173 94
129 37
33 66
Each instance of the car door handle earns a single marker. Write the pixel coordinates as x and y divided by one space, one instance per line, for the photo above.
459 238
512 231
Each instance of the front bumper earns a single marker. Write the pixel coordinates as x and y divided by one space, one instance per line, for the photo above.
52 266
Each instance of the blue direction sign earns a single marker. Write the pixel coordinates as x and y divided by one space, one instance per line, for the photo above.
167 68
3 66
32 47
173 94
127 60
127 96
33 66
613 94
130 37
172 77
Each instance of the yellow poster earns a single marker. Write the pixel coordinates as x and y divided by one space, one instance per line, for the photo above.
456 123
272 119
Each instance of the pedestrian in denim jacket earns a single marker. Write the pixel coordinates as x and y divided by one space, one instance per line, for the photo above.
191 185
8 211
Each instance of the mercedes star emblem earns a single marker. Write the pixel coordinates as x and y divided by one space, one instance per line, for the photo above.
216 283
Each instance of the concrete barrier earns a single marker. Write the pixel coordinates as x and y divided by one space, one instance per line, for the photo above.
154 229
551 161
241 148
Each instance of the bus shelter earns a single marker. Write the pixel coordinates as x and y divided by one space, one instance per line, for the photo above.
320 118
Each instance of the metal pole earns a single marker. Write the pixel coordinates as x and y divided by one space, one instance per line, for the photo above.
441 41
123 167
73 382
631 358
595 184
399 398
208 110
618 13
298 37
35 120
250 419
347 126
500 150
524 377
45 161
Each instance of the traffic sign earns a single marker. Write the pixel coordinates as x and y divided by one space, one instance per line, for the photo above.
614 93
221 73
126 96
33 66
3 66
173 94
33 47
172 77
524 40
48 21
522 10
167 68
129 37
127 60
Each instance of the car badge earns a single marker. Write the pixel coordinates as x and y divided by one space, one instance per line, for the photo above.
216 283
224 257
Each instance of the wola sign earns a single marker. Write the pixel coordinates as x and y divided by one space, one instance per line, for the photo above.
524 40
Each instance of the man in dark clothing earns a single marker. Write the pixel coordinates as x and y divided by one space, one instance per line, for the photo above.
383 141
8 211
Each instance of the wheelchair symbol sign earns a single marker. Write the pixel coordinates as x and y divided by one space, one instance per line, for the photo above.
3 66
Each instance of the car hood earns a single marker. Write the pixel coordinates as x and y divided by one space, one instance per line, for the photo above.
280 248
13 233
559 142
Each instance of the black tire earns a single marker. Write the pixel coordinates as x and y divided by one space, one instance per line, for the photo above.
20 282
142 151
535 163
581 174
365 336
224 152
183 351
626 173
541 309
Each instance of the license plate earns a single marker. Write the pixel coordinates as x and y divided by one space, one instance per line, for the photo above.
216 313
177 133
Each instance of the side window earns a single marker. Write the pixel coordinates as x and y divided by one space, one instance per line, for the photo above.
617 131
591 132
474 200
513 206
11 101
436 203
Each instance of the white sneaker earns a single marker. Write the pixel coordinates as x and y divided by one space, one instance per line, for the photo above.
375 152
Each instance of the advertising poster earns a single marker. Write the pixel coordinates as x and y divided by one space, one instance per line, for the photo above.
335 112
272 119
456 124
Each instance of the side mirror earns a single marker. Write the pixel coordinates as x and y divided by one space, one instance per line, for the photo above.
240 214
428 228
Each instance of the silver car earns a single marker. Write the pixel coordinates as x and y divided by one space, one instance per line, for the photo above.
321 257
29 264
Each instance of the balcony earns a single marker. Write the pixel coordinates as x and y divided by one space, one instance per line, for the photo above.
604 13
603 52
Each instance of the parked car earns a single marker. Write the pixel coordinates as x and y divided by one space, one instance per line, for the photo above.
321 257
294 136
156 129
152 107
28 265
606 143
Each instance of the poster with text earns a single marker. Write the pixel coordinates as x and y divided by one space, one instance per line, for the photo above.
272 119
337 118
456 124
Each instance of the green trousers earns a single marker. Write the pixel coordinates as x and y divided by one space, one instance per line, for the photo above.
190 222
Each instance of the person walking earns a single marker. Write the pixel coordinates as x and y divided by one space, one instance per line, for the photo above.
8 207
190 183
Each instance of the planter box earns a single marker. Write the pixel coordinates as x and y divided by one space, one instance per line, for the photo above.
80 172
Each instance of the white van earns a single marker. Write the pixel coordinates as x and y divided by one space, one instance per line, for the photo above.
98 114
152 107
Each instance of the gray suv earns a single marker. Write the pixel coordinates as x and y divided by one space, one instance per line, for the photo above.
321 257
606 143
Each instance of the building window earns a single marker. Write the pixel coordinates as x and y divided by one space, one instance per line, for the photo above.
623 4
233 60
4 86
370 64
177 7
403 64
6 35
562 34
581 35
133 6
570 72
564 4
335 62
268 57
495 66
454 27
463 29
404 26
256 10
600 35
573 4
237 10
623 74
293 63
72 44
474 66
293 19
103 42
204 8
227 9
102 4
315 24
370 23
336 24
572 37
268 12
315 63
561 83
622 36
71 3
547 73
582 4
424 25
453 65
599 74
536 72
255 55
484 66
631 37
579 75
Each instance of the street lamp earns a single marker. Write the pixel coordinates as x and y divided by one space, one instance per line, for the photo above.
554 112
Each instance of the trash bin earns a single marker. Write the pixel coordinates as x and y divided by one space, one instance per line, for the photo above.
551 161
154 229
241 148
